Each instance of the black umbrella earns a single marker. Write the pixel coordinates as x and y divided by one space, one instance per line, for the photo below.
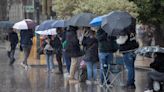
6 24
149 50
118 23
81 20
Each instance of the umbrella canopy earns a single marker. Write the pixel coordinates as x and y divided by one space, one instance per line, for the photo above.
96 21
25 24
45 25
150 50
81 20
6 24
58 23
47 32
118 23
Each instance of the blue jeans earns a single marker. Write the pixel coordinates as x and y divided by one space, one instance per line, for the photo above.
67 60
105 59
91 70
129 59
50 63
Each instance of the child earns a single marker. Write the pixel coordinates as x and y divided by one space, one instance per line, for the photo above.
49 52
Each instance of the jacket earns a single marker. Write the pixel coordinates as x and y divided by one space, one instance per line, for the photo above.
130 44
106 44
26 37
91 49
13 38
72 46
158 63
57 45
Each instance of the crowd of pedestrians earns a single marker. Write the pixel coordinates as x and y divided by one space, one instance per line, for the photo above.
95 47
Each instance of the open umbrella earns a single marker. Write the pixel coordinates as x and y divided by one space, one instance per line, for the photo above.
96 21
6 24
45 25
81 20
25 24
118 23
58 23
47 32
149 50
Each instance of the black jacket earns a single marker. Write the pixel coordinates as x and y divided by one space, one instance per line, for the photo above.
130 44
13 38
106 44
73 46
57 45
91 49
158 63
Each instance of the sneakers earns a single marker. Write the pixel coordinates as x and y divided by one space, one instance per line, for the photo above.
148 90
73 81
156 85
12 62
88 82
26 67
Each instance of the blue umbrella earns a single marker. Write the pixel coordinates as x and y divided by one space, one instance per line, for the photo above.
58 23
96 21
45 25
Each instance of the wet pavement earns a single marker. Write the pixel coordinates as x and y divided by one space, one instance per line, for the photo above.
16 79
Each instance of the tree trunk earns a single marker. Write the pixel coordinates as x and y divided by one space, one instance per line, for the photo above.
159 35
3 10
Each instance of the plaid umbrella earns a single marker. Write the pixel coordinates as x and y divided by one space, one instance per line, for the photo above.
149 50
47 32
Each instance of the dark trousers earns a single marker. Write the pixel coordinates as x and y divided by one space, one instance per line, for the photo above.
154 76
11 56
59 60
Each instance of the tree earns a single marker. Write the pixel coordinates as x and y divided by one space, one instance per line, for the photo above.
151 12
3 11
65 8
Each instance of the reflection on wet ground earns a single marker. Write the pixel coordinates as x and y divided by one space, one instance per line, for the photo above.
16 79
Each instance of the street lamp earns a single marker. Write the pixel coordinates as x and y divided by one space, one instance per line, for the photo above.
37 9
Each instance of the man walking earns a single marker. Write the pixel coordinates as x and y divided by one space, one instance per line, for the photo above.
26 43
13 39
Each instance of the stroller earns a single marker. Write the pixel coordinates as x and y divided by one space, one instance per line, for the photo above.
82 71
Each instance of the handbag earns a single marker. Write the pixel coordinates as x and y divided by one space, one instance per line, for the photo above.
49 52
40 51
8 47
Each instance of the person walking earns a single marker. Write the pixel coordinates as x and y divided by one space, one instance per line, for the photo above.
90 44
26 44
13 39
106 46
127 46
48 46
